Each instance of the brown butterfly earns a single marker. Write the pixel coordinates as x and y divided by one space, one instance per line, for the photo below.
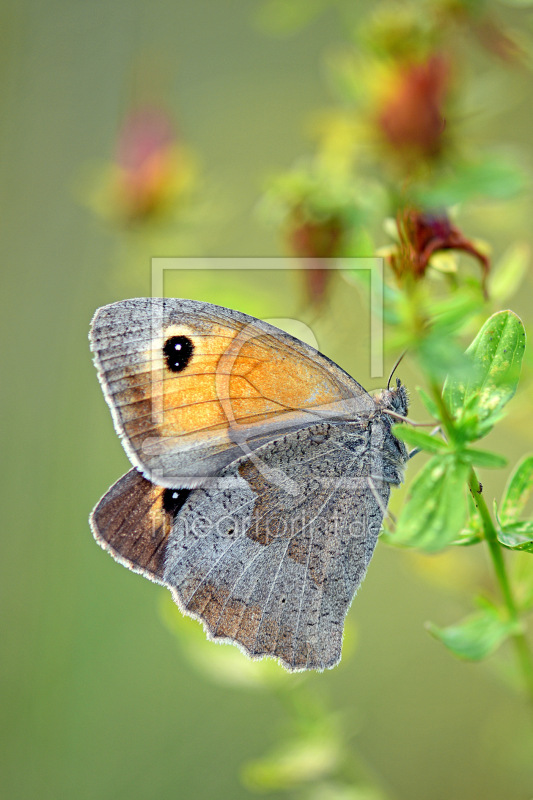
261 475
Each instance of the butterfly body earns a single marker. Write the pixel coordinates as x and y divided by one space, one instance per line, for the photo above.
262 473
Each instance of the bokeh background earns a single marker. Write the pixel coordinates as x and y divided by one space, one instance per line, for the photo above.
105 694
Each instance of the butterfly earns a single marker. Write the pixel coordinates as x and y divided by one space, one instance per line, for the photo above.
261 473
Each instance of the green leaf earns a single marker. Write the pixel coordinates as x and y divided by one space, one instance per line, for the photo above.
468 537
418 438
496 356
522 580
294 763
517 536
472 533
486 178
482 458
429 403
435 511
476 637
509 272
518 491
450 313
440 355
438 349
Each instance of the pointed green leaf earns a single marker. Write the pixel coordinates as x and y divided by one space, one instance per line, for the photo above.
417 438
517 536
467 537
518 491
524 527
429 403
476 637
482 458
435 511
496 356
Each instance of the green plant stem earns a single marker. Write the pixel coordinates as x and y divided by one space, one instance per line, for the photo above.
522 650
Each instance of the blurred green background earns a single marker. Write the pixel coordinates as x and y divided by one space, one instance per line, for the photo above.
99 697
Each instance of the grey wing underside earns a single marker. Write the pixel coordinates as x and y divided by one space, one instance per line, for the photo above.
275 571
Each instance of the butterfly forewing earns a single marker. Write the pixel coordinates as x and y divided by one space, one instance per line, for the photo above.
193 386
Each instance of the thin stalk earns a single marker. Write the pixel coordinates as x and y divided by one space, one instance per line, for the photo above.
522 650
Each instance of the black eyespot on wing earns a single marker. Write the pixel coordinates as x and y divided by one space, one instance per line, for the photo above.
178 351
173 499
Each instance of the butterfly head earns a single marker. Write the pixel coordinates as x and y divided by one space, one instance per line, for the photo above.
395 400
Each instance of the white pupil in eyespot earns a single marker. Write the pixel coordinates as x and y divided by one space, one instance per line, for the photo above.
177 346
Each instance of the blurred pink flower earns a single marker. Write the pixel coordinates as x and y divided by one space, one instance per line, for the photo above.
151 174
145 157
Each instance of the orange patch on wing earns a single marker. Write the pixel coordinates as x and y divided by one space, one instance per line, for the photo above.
230 380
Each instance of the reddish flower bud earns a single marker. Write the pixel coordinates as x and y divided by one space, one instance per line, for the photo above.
423 234
313 240
411 119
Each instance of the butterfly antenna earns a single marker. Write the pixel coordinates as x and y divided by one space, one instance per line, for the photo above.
395 367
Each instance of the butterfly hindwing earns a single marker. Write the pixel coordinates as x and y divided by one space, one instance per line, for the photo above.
271 566
133 521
